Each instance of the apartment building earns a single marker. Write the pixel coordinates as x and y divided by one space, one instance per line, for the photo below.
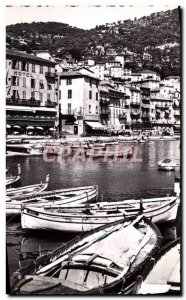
79 103
31 96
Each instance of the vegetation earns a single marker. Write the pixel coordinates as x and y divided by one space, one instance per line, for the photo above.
138 36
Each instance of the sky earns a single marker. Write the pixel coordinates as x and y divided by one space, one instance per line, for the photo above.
82 16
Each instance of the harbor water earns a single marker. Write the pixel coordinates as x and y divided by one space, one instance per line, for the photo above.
116 180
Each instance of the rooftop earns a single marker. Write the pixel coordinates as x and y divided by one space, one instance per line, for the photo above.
77 74
26 56
149 72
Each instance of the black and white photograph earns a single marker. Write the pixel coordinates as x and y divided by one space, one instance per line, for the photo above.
93 140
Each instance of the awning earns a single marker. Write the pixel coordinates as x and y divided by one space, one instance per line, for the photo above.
29 108
8 126
40 128
17 126
177 125
95 125
30 127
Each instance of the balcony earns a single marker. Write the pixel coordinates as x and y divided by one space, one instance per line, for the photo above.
122 116
50 74
104 100
30 118
163 122
50 104
135 104
105 112
114 95
145 106
24 102
145 98
145 116
163 106
161 97
135 112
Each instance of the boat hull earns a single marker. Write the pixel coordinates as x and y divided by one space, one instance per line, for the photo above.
79 196
38 219
37 275
15 182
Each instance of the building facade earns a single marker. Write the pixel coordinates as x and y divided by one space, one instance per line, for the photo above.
31 97
79 102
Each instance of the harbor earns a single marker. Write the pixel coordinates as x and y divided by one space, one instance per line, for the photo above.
116 180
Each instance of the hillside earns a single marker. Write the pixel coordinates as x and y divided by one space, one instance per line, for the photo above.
157 34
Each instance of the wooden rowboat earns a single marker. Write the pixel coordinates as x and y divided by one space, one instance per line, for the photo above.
14 181
16 193
81 220
166 165
162 275
90 265
60 197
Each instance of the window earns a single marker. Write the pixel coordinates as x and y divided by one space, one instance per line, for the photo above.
48 97
33 95
14 94
90 94
41 84
15 80
60 94
69 108
49 69
69 81
90 82
89 109
15 64
24 81
23 66
41 70
41 96
97 96
96 109
27 67
32 83
24 94
69 94
33 68
49 86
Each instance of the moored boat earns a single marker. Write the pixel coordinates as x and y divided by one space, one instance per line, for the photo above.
14 193
85 219
14 181
89 265
27 148
166 165
161 280
60 197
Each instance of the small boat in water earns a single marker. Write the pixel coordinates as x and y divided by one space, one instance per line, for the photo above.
14 181
84 219
166 165
27 148
104 261
14 193
163 273
60 197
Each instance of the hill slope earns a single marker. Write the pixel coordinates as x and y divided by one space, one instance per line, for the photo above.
157 34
